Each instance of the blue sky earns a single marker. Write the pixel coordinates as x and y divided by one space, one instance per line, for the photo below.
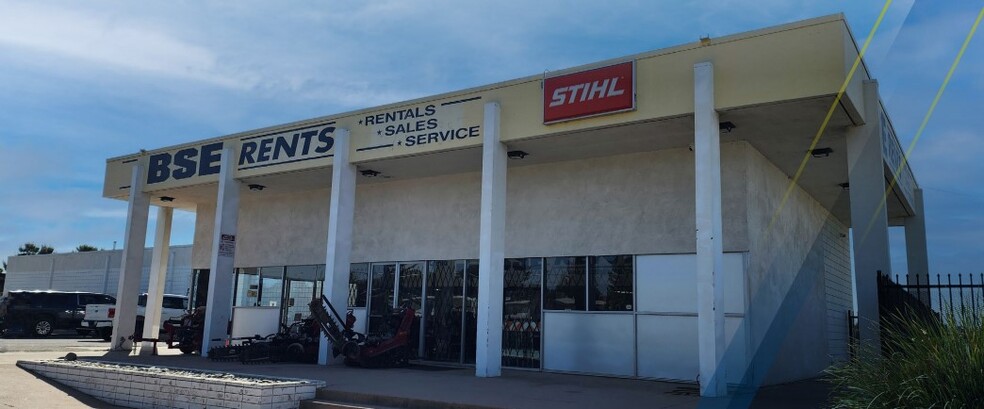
84 81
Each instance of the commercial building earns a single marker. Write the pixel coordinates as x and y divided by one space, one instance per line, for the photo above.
679 214
92 271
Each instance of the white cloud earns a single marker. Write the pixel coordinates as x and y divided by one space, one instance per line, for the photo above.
100 39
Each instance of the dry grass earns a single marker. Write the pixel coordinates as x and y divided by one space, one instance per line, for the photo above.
935 363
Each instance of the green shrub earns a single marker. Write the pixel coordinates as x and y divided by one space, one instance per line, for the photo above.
926 363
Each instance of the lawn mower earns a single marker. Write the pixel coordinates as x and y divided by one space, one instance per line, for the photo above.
295 343
184 332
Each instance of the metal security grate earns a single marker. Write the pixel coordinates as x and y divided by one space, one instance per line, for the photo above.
381 303
443 315
521 313
411 288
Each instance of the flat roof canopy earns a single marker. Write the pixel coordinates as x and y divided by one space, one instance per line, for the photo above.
775 84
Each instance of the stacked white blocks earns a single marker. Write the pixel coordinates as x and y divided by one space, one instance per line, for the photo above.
141 389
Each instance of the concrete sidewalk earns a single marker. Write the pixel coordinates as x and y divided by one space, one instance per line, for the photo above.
22 389
430 386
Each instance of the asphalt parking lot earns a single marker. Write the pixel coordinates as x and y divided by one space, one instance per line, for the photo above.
22 389
55 343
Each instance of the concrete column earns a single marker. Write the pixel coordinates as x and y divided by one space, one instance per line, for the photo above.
491 251
158 277
341 212
710 301
869 220
218 311
916 255
131 266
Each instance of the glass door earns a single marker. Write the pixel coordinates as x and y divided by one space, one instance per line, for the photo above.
411 294
272 288
381 300
303 284
443 311
521 312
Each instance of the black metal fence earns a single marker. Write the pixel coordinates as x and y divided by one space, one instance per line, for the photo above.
926 296
958 295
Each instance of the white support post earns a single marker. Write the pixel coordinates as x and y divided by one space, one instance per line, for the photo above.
131 266
710 302
158 278
341 212
917 258
869 218
491 252
218 310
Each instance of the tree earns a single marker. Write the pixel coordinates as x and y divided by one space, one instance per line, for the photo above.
46 249
85 247
28 249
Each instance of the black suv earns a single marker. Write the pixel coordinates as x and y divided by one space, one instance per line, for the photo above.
39 313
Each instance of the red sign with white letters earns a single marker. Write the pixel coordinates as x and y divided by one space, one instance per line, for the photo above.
588 93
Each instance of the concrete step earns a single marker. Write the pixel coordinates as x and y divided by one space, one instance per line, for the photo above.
324 404
350 400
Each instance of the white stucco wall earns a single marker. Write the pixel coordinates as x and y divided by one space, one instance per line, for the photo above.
282 229
641 203
837 287
787 310
433 218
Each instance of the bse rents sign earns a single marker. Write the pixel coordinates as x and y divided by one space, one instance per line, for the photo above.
582 94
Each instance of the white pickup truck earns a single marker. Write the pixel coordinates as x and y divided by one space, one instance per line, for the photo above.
99 317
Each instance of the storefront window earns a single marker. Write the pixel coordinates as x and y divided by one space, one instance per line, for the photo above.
272 286
247 287
564 283
610 283
358 285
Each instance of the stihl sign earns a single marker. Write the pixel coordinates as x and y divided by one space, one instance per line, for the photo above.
588 93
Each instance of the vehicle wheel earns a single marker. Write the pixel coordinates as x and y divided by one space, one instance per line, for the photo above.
106 333
43 327
187 349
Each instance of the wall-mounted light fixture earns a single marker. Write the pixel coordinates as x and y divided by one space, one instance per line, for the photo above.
167 199
517 154
845 186
369 173
256 188
821 152
727 126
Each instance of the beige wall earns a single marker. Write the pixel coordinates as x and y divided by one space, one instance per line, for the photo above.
429 218
282 229
785 273
641 203
204 226
273 230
